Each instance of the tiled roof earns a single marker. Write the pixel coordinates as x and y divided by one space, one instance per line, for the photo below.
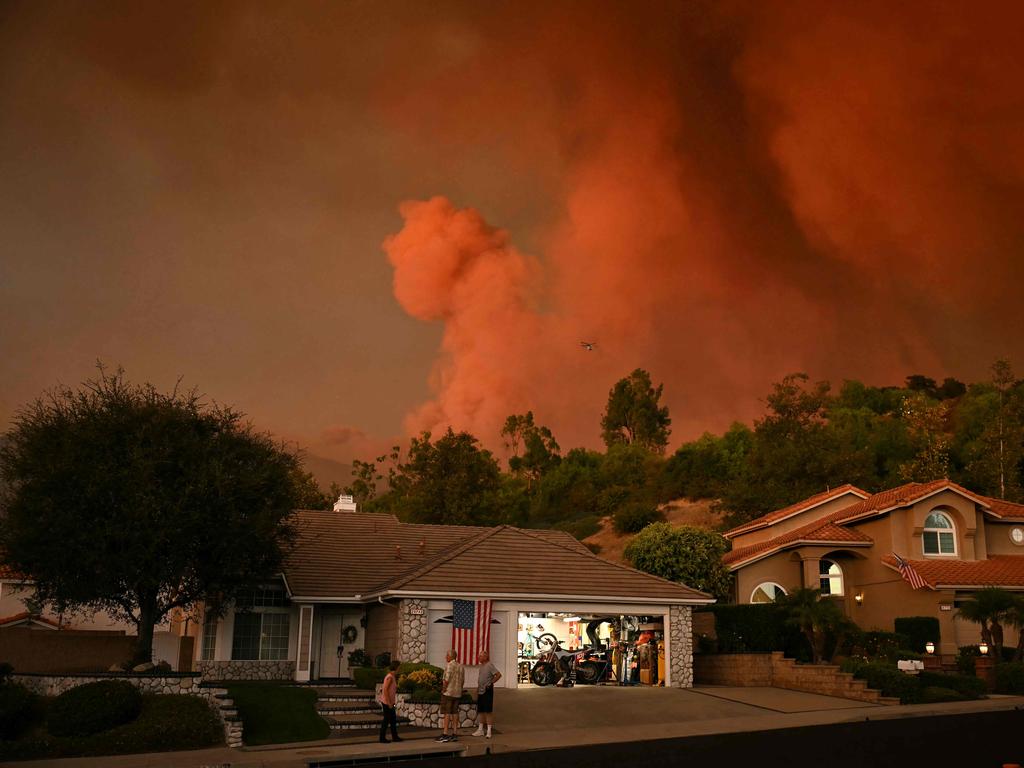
817 531
876 504
344 554
25 617
996 571
507 560
1005 509
793 509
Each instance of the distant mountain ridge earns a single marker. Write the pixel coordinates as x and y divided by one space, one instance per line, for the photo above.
326 471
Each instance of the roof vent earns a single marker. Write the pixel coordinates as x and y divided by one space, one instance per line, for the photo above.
345 503
398 552
423 546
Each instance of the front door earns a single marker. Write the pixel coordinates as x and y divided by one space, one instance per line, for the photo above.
333 653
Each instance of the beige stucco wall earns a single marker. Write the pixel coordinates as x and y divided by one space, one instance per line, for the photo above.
886 595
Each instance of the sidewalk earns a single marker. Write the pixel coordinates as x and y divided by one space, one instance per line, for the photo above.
298 756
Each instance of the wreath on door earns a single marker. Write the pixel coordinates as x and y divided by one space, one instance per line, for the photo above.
349 634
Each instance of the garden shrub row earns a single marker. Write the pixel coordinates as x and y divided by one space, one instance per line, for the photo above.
1010 677
93 708
368 678
758 629
20 709
918 630
165 723
926 687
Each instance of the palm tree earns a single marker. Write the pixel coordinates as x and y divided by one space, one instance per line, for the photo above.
1015 618
816 617
991 608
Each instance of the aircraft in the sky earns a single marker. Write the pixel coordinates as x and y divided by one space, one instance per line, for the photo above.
588 345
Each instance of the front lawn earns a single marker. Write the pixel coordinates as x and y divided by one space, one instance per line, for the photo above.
164 723
277 714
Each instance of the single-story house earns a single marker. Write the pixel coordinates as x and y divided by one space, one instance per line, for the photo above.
368 581
915 550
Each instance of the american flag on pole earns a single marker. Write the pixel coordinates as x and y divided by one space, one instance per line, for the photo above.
471 629
910 575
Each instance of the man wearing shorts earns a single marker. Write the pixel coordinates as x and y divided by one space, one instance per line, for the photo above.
489 675
451 692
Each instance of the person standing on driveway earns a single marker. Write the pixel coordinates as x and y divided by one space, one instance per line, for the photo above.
451 692
489 675
388 702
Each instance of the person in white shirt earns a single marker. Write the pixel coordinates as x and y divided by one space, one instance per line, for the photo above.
489 675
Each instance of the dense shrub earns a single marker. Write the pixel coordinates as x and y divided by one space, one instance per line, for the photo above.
758 629
166 722
6 670
903 654
634 516
876 645
19 709
368 677
936 695
1010 677
382 660
968 686
94 707
887 679
420 680
358 658
918 630
581 528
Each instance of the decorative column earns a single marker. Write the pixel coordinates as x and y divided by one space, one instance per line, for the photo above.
811 567
680 646
412 630
304 652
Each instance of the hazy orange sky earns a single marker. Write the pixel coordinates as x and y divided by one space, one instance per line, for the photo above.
354 220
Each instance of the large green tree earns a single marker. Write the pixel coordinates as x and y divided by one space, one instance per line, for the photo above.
534 449
688 555
129 500
634 415
448 481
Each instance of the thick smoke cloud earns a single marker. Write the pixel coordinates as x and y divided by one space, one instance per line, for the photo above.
719 192
743 191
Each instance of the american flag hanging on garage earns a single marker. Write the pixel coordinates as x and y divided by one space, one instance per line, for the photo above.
471 629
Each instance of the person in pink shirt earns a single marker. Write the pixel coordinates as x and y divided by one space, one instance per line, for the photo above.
388 701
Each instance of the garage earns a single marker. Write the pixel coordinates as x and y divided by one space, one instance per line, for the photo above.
566 649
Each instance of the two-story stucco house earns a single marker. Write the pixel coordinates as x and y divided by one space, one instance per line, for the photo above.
846 541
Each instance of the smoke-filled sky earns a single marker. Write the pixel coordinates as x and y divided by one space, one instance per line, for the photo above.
355 220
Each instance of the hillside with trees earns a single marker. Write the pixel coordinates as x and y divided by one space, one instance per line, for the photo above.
813 435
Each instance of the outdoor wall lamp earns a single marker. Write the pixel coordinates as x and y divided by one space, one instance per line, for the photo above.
929 647
859 598
983 649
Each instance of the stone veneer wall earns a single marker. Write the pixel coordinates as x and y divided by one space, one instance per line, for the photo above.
189 684
412 630
246 670
680 645
429 715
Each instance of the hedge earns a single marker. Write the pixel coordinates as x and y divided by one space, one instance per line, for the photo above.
93 708
936 695
19 710
166 723
368 677
758 629
887 679
966 685
1010 677
918 631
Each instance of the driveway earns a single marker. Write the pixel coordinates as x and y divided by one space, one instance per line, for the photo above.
541 709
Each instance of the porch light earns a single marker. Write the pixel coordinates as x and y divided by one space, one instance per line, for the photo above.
983 649
859 598
929 647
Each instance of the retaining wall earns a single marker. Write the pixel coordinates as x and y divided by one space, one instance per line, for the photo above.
429 715
246 670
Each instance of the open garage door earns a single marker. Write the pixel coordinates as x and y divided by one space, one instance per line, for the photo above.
439 640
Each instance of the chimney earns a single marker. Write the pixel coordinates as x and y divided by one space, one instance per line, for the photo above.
345 503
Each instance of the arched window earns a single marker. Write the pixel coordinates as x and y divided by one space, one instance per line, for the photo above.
767 592
939 535
831 576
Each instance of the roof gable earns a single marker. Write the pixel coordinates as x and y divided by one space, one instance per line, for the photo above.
796 509
514 561
834 523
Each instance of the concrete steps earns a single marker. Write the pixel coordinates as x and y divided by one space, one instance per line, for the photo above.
357 722
347 708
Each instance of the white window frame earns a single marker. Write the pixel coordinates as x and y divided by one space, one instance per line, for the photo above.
938 536
753 592
830 577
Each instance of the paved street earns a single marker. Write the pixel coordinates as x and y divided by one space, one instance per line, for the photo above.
542 718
